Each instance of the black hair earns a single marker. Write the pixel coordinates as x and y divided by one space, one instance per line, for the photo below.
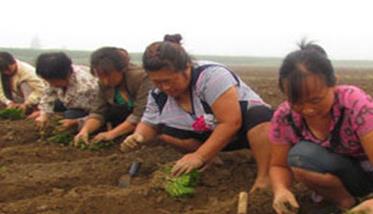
54 65
6 59
311 46
107 59
310 58
166 54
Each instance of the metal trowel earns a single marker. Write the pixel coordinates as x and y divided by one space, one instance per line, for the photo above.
125 180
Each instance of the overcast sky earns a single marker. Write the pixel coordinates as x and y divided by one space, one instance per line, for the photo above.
217 27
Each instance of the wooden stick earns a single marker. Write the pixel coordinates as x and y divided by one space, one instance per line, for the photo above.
242 203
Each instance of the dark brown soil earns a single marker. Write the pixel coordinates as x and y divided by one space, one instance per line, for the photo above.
51 179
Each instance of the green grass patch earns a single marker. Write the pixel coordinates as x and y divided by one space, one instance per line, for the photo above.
63 138
12 114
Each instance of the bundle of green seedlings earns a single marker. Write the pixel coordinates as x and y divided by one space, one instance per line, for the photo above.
66 138
94 146
62 137
12 114
181 186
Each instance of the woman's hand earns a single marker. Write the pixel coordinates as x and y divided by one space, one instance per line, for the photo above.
132 143
65 124
187 163
41 121
12 105
104 136
34 115
81 136
284 202
364 207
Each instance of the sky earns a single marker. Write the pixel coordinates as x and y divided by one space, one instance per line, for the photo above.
213 27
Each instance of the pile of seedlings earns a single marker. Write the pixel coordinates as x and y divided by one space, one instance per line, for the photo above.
12 114
176 187
66 138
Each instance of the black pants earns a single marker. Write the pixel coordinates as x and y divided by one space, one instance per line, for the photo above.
72 113
253 117
116 114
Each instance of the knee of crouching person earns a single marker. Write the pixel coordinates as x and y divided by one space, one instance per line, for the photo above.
306 156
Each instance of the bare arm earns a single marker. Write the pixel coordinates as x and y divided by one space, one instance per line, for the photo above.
281 179
91 125
124 128
367 142
279 171
229 122
37 88
147 131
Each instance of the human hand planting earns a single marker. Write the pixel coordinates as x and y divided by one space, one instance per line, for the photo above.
65 124
187 163
132 142
104 136
41 121
284 202
363 207
81 136
14 105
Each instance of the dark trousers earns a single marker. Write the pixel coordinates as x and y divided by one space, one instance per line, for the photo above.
310 156
116 114
72 113
253 117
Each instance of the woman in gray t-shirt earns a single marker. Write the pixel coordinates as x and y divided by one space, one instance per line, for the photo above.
201 107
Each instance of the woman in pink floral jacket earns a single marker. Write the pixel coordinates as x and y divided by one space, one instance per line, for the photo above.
201 107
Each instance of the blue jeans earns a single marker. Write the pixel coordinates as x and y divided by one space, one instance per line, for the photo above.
312 157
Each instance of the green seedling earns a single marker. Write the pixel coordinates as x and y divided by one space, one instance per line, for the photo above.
42 134
64 138
12 114
181 186
81 145
95 146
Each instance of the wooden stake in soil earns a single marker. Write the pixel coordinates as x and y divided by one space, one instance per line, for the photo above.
242 203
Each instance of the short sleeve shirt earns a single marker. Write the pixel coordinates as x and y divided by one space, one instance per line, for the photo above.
83 92
210 85
357 122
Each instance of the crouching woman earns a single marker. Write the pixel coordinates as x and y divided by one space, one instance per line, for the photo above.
201 107
322 135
